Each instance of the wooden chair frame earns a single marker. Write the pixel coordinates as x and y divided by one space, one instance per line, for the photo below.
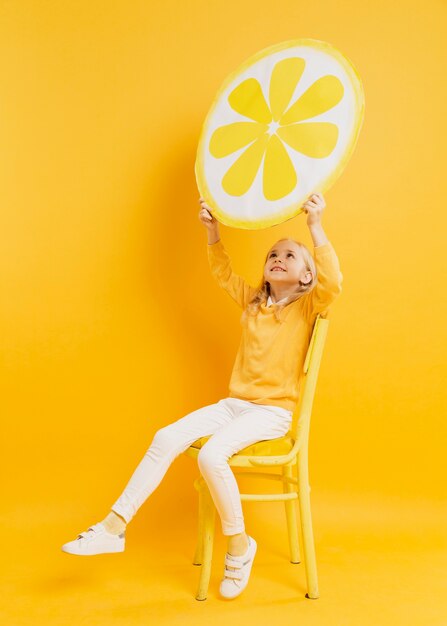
294 477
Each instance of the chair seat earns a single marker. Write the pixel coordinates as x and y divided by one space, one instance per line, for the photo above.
271 447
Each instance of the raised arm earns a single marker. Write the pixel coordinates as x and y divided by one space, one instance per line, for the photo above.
329 276
220 263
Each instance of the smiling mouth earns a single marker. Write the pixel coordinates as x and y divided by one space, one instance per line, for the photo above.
277 269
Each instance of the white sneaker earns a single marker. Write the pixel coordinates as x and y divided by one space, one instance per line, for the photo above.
235 581
95 540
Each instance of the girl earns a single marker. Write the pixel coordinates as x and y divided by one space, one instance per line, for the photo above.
277 320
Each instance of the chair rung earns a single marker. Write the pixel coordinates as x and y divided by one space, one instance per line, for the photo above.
272 497
199 482
287 479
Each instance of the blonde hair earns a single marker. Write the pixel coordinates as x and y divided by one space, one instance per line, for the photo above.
263 290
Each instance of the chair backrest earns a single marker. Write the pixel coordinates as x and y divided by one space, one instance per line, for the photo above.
308 381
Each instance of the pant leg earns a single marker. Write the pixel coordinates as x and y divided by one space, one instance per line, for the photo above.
168 442
253 423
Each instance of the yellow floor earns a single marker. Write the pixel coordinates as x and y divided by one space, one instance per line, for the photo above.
381 560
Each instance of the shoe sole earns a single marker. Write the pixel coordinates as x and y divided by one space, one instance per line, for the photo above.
105 551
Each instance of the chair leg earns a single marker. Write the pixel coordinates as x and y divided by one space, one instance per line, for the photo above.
208 524
198 555
291 517
310 562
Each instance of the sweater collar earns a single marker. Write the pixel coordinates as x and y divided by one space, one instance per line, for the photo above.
270 301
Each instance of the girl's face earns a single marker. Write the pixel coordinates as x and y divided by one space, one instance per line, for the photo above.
285 265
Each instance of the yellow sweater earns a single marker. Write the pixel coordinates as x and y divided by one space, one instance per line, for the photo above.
271 354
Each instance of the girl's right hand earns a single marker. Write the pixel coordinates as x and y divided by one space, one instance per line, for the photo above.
206 217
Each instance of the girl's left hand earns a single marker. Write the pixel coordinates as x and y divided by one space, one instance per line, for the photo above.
314 207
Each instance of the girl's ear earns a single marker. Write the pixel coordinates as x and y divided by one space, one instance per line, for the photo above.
307 279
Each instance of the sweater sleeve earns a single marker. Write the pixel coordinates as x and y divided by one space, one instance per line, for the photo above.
329 280
221 269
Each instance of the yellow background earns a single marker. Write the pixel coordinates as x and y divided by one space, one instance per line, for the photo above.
112 326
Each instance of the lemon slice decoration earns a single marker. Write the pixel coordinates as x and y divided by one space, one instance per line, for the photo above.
281 127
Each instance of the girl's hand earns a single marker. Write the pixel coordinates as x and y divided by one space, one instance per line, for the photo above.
314 207
206 217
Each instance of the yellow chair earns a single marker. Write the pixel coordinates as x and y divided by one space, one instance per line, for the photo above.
290 453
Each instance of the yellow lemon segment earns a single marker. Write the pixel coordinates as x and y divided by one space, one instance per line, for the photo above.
321 96
228 139
314 139
285 76
249 100
282 126
241 174
279 174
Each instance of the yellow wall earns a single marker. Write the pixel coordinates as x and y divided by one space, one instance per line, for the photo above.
111 324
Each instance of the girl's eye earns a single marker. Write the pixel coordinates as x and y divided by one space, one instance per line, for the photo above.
290 254
273 254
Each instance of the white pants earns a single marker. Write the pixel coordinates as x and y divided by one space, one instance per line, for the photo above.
233 424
